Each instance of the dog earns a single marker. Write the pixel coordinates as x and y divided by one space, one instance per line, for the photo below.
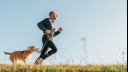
24 55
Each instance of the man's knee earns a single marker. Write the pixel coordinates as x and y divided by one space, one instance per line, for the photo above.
55 50
52 52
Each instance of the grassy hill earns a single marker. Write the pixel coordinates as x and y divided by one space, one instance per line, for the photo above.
63 68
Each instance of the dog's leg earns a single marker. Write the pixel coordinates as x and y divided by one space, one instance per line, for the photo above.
24 62
14 61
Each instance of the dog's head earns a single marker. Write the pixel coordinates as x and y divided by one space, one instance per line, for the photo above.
33 48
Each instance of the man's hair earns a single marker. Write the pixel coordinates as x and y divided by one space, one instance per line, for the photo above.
51 12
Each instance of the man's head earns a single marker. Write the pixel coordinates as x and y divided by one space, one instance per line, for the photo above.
53 15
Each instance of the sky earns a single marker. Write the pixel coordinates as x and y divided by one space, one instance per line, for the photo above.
102 22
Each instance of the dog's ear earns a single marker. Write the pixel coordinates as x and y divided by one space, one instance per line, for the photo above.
29 48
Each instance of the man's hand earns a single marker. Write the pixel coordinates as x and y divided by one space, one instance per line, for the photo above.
48 31
60 29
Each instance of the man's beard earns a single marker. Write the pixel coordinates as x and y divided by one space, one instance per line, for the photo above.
54 18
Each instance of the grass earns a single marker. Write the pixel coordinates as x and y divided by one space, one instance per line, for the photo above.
63 68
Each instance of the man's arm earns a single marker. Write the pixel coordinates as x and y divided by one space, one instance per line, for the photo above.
41 25
58 32
45 28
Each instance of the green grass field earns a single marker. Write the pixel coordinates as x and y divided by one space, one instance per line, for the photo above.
63 68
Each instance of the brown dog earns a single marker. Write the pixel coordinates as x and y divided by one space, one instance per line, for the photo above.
22 55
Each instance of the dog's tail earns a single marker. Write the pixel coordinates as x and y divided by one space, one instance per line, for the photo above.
7 53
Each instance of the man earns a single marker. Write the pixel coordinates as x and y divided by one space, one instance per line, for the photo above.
48 28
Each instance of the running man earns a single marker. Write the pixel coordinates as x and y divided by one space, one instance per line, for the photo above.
48 28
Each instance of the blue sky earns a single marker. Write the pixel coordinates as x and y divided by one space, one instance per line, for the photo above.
102 22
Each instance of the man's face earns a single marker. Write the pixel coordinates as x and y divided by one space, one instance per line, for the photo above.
53 16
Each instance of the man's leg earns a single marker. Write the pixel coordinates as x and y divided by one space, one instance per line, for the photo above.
43 52
51 52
